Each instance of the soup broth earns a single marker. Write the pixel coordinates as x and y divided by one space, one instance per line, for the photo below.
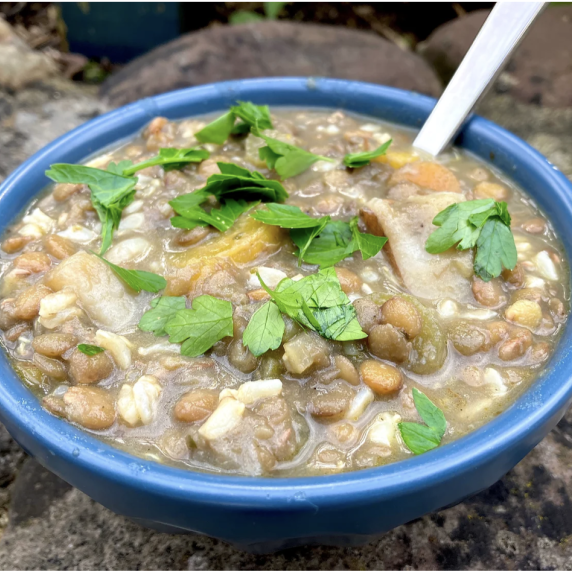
313 405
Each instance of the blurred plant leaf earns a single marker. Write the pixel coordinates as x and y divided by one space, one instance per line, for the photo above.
273 9
245 17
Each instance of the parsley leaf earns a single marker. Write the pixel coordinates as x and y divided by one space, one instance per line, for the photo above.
186 222
368 244
111 192
418 438
455 226
285 216
356 160
232 187
482 223
287 160
118 168
169 157
222 219
199 328
137 279
114 188
495 249
251 116
184 204
110 217
219 130
422 438
162 310
232 182
338 323
89 350
313 232
333 244
318 302
265 330
106 187
320 240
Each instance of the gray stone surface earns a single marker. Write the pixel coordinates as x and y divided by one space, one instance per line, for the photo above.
272 49
540 70
19 64
522 522
32 117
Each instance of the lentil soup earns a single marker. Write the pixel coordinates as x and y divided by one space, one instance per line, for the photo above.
184 310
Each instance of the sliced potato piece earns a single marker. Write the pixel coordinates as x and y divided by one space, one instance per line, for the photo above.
100 292
407 224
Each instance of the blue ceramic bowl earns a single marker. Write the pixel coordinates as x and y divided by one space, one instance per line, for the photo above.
269 514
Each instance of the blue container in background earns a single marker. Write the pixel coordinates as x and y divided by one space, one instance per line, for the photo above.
119 31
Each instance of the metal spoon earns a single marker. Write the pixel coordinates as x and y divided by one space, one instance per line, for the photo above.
497 39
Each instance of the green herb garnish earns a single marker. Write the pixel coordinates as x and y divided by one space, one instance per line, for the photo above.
199 328
113 189
251 116
336 241
107 187
287 160
233 187
233 182
482 223
368 244
219 130
333 245
222 219
137 279
357 160
162 310
286 216
311 234
89 350
170 158
422 438
292 217
111 192
265 330
320 240
318 303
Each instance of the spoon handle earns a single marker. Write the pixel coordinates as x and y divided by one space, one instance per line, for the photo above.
497 39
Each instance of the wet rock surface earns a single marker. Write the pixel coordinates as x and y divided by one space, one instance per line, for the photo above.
269 49
539 72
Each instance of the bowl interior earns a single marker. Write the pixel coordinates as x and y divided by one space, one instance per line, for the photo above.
59 441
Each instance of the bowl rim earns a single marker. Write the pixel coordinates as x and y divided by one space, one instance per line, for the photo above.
543 400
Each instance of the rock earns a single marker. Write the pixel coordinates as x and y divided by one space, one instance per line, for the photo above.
32 117
35 489
11 457
19 64
447 45
265 49
548 130
540 70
